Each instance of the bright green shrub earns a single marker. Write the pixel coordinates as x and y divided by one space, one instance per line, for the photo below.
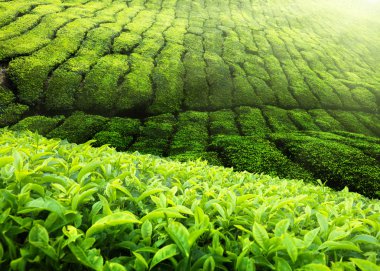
114 139
124 126
142 21
195 82
136 92
297 86
26 22
338 164
99 91
220 83
12 113
79 127
30 73
9 11
40 124
213 40
66 80
252 121
168 80
126 42
255 66
233 50
42 34
264 92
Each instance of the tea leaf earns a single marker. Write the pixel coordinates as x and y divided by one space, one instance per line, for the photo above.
163 254
112 220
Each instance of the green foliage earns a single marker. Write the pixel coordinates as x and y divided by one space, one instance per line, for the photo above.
256 155
12 113
278 119
99 92
350 122
191 134
168 79
6 96
136 91
338 164
40 124
93 208
114 139
79 127
223 123
252 121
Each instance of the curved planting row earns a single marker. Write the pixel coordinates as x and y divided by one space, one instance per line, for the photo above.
287 143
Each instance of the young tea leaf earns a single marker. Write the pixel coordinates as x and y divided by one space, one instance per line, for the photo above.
112 220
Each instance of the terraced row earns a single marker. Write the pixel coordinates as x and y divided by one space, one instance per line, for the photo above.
285 143
140 58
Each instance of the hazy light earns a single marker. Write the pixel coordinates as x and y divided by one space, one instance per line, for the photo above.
373 1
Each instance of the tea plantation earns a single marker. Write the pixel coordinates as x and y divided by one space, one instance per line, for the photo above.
75 207
283 88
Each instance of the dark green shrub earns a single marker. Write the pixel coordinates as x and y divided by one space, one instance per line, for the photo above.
302 120
371 121
79 127
210 157
325 121
150 146
223 123
368 145
6 96
366 99
191 133
40 124
338 164
12 113
278 119
256 155
350 122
